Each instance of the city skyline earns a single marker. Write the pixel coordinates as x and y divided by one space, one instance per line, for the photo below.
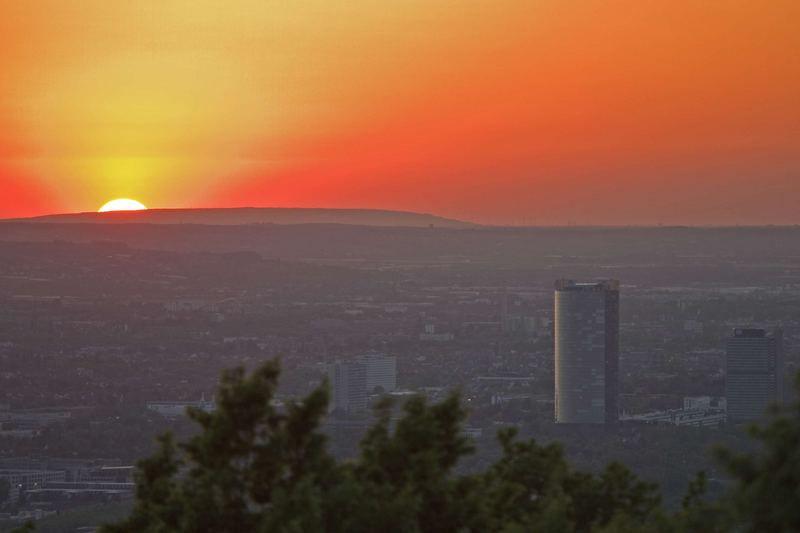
105 344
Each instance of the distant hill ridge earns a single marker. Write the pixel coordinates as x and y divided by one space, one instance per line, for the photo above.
258 215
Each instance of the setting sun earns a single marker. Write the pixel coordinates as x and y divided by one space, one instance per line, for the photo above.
122 204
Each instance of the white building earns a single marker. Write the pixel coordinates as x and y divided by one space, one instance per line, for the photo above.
682 417
431 334
699 411
178 409
697 402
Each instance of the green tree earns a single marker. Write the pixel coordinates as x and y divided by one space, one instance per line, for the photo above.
767 494
533 487
253 467
250 468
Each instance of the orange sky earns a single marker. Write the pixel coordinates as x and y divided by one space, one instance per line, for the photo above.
500 111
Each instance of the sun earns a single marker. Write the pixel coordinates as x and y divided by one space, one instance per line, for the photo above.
122 204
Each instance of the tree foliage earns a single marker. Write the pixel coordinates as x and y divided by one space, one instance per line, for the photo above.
767 495
254 467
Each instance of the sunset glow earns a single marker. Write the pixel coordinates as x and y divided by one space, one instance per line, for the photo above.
499 111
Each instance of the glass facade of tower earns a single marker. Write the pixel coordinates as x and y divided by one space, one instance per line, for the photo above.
586 352
348 382
752 373
381 372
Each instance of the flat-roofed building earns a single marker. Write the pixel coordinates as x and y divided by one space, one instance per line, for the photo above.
753 365
348 381
586 351
381 372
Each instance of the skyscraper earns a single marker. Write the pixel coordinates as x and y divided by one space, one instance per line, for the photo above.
753 366
381 372
348 381
353 381
586 351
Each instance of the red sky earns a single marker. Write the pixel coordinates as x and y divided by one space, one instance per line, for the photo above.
498 111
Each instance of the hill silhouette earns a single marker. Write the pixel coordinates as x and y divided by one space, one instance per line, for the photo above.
257 215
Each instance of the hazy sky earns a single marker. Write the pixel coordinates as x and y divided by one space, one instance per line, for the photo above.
504 111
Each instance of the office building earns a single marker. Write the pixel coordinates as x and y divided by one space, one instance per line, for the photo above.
753 366
586 351
348 382
381 372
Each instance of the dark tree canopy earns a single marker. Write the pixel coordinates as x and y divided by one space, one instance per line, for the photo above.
253 467
767 495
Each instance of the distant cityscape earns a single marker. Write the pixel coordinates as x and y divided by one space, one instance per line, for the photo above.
103 346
